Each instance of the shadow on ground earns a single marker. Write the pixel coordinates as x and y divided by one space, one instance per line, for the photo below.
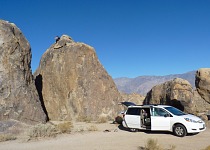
120 127
145 131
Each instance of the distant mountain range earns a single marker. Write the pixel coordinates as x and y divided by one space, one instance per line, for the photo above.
143 84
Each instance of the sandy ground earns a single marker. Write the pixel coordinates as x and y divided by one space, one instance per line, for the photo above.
116 138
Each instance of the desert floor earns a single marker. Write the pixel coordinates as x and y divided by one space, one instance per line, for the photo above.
108 137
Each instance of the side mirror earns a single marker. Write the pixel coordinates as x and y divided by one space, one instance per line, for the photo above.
167 115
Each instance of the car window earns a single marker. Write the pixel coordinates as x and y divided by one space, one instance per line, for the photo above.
175 111
133 111
159 112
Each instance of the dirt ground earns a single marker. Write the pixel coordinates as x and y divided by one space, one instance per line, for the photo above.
108 137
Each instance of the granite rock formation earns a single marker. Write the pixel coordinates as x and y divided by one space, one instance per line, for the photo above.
201 106
18 96
73 84
134 97
202 83
177 92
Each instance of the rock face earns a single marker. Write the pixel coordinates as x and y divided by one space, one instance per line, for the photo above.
135 98
18 96
177 92
200 104
202 83
73 83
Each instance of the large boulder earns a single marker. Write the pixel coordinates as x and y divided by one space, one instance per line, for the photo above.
74 84
177 92
202 83
18 96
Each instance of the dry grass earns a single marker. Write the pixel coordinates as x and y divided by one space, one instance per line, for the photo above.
152 144
80 129
84 119
102 119
64 127
49 129
6 137
42 130
173 147
92 128
207 148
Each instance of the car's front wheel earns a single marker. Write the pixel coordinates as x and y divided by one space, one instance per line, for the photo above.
180 130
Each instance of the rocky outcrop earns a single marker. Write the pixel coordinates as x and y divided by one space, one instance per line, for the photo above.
134 97
201 106
202 83
73 83
18 96
177 92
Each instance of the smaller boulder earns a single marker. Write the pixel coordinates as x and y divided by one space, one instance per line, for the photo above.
177 92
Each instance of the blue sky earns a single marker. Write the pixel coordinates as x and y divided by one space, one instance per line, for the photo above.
131 38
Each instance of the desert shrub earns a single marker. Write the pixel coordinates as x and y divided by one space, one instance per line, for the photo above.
80 129
207 148
42 130
152 144
102 119
92 128
64 127
84 119
6 137
173 147
119 119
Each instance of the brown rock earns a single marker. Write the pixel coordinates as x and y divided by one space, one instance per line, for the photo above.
204 117
18 96
134 97
74 84
202 83
200 104
177 92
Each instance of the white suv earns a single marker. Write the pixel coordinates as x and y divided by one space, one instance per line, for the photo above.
162 118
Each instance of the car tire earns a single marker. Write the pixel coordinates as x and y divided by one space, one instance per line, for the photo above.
180 130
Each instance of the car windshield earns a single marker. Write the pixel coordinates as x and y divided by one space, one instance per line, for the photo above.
175 111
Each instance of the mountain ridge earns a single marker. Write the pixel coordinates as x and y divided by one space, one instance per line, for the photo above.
142 84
